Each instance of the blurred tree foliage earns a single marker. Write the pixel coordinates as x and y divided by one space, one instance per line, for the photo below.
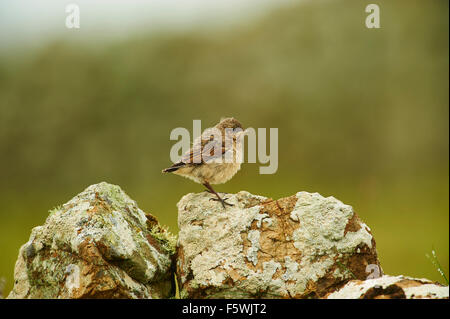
362 115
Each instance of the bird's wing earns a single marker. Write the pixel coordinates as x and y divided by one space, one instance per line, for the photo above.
210 150
205 152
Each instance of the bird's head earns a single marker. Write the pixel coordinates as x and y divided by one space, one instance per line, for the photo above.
230 123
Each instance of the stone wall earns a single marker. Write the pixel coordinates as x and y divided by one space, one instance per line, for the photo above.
100 244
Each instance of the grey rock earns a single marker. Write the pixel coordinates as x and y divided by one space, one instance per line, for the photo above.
302 246
391 287
100 244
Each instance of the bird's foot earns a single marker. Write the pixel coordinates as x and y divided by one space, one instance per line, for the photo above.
222 201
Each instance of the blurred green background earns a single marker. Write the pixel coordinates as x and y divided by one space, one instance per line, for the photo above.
362 116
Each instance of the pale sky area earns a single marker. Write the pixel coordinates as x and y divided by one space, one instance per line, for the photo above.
35 22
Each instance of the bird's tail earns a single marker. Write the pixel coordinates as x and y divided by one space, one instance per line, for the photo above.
173 168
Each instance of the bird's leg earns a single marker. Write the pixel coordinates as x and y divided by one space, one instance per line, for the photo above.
208 191
212 191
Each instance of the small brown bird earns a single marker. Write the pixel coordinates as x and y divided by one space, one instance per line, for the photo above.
214 157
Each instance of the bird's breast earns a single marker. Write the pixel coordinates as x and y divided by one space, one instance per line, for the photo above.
221 173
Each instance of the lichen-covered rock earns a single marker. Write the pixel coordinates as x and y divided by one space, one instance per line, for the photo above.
98 245
389 287
302 246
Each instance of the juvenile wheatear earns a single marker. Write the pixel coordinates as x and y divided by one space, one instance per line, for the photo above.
214 158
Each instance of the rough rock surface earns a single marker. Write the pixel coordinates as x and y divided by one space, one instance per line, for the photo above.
97 245
389 287
302 246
